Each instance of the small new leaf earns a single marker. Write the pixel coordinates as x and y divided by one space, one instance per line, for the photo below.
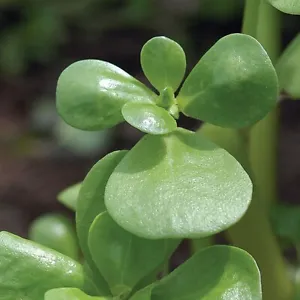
233 85
163 62
68 196
57 232
148 118
90 94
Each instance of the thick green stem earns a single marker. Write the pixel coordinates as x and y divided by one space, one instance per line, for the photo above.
250 17
254 233
263 136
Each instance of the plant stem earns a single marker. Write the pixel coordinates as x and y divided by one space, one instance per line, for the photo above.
250 19
263 136
253 232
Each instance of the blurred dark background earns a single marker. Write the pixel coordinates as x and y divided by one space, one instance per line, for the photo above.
39 154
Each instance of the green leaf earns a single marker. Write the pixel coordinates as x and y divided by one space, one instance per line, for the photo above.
68 196
80 142
288 68
91 202
90 94
287 6
123 258
148 118
144 294
70 294
163 62
286 222
218 272
187 188
233 85
57 232
28 270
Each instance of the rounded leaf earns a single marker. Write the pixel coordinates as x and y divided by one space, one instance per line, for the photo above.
163 62
187 188
70 294
288 69
123 258
91 202
56 232
223 272
287 6
28 270
90 94
148 118
68 196
233 85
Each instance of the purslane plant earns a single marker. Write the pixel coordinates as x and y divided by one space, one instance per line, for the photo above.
134 207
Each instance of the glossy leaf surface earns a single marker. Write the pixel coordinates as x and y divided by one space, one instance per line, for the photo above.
163 62
91 93
218 272
91 201
233 85
123 258
28 270
288 69
70 294
69 196
57 232
149 118
187 187
287 6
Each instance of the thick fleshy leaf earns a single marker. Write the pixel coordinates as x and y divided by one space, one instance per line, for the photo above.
28 270
233 85
68 196
70 294
148 118
287 6
91 93
91 202
218 272
187 188
163 62
57 232
123 258
288 69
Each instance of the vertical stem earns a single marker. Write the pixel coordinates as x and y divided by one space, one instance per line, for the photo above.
250 19
254 233
263 136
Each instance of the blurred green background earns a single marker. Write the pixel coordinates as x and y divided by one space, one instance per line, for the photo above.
39 154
